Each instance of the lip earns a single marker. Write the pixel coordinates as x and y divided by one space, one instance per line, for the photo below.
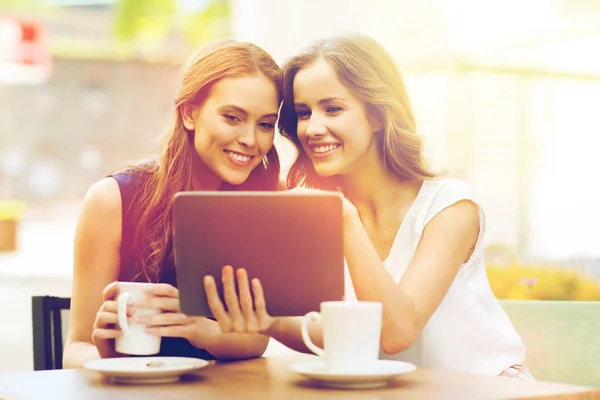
237 162
327 153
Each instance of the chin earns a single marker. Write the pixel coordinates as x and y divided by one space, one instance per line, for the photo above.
235 180
326 170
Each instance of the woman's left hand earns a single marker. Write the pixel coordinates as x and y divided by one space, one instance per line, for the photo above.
171 322
348 209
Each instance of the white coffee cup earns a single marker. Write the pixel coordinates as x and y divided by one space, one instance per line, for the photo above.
135 340
351 335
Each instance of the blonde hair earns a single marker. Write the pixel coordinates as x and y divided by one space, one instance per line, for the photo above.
172 172
369 72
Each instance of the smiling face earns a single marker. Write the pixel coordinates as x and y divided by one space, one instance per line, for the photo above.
234 127
334 127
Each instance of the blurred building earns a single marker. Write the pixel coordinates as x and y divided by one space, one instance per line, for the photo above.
100 109
504 93
93 116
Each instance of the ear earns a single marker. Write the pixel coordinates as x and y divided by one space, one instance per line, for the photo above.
376 123
187 116
375 119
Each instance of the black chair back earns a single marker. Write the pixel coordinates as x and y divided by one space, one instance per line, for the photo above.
49 321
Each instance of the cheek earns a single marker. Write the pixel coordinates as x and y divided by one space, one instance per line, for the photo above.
200 141
301 129
221 132
302 138
216 130
210 135
353 129
265 141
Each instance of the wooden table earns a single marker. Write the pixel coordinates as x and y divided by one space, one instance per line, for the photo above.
270 378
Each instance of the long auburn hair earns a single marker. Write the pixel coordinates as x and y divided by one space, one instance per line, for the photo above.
161 179
369 72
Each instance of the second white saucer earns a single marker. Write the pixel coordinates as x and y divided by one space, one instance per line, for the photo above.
377 377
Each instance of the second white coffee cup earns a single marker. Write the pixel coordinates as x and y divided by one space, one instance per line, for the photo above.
135 340
351 335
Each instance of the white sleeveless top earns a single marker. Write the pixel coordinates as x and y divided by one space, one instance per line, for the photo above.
469 331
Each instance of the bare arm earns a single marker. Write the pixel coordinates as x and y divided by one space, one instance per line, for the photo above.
408 305
96 264
287 331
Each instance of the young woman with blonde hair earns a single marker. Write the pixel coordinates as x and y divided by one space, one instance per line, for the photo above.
412 240
221 138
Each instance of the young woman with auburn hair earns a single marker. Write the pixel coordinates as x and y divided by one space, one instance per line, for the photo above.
221 138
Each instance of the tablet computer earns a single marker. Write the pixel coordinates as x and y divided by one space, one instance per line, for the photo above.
291 241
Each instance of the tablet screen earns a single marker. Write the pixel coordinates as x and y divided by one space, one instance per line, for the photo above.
291 241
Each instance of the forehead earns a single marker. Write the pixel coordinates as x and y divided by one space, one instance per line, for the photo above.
316 81
254 93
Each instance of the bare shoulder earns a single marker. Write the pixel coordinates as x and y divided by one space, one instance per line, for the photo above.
465 210
98 237
458 218
101 208
104 193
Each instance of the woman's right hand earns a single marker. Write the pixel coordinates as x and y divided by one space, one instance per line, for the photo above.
106 326
246 313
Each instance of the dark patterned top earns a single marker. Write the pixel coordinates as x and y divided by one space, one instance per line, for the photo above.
129 270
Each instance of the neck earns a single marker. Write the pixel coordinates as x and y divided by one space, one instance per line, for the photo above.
372 189
203 179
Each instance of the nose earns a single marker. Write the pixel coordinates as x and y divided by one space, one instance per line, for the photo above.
248 138
315 129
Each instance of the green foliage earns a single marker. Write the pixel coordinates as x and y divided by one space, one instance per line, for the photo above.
4 4
20 5
210 23
143 19
152 20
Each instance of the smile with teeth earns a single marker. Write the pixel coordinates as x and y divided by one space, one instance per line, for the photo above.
242 158
325 148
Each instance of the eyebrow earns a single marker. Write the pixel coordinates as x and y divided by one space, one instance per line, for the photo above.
323 101
242 111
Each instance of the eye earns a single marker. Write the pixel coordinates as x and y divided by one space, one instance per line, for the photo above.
267 126
333 109
303 114
231 118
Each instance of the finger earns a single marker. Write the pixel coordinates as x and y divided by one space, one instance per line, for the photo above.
164 319
215 304
169 331
109 306
168 304
104 318
163 289
246 301
110 291
104 334
112 307
231 299
260 305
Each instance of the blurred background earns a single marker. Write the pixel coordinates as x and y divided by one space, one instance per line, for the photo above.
506 94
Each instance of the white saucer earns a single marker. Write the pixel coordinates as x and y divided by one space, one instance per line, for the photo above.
378 377
136 369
